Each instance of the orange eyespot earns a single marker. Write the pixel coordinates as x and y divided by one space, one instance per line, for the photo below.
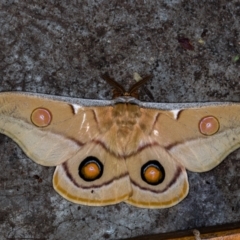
41 117
90 169
152 172
209 125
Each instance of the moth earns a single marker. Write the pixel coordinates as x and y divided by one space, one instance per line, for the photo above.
110 151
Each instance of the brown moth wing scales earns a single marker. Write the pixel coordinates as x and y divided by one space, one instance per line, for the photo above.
171 191
113 187
183 139
46 146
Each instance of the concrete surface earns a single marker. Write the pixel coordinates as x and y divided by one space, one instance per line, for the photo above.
62 47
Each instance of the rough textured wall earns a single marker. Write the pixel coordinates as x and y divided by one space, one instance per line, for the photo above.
62 48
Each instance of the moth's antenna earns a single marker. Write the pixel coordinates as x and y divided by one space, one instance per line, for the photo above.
113 83
138 84
120 91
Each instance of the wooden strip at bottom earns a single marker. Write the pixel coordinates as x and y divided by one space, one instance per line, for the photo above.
223 232
232 237
222 235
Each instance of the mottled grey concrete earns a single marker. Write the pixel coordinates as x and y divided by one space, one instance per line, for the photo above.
62 47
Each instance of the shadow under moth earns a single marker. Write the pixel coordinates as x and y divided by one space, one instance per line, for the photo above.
123 149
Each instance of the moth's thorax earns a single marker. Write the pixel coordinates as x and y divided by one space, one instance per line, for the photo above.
127 128
125 116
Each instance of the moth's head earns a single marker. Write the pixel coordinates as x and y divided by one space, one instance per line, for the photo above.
119 90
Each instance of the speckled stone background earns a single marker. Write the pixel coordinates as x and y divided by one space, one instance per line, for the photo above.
62 48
